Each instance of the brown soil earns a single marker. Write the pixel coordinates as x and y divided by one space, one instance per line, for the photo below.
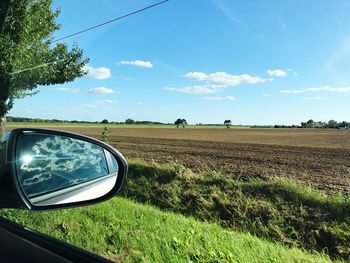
327 169
317 157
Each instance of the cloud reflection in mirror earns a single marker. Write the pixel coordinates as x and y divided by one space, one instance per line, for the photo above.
48 163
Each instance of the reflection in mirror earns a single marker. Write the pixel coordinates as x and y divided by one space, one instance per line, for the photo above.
55 169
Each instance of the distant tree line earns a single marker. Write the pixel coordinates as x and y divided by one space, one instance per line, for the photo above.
104 121
331 124
21 119
131 121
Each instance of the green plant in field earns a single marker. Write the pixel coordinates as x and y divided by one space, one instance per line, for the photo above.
105 134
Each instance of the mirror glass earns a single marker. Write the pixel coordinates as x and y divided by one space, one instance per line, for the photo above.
55 169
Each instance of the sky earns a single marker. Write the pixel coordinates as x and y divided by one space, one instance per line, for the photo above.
254 62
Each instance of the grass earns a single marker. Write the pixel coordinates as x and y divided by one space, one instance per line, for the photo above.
128 232
276 209
231 211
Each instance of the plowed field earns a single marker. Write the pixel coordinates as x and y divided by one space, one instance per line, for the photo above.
317 157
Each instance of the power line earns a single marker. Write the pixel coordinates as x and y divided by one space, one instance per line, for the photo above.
110 21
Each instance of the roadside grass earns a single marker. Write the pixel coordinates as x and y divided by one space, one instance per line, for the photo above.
125 231
277 209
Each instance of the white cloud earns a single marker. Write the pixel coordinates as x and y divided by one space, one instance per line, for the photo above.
317 89
277 73
224 79
107 101
215 82
196 75
313 98
218 98
71 90
101 90
196 89
91 106
137 63
98 73
56 154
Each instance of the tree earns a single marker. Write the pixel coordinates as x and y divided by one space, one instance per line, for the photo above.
105 121
332 124
129 121
28 58
344 125
179 122
4 5
320 124
310 124
227 123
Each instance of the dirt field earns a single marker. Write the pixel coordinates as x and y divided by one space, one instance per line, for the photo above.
317 157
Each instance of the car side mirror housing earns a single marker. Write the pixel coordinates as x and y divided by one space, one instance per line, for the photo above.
47 169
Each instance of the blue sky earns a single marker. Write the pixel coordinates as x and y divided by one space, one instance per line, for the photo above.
254 62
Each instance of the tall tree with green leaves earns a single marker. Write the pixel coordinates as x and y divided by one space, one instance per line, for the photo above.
179 122
28 58
227 123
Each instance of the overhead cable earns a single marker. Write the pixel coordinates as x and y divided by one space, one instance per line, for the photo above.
88 29
110 21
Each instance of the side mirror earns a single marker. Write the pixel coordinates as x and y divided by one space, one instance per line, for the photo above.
47 169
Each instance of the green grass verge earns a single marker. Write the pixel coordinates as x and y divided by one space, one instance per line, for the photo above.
125 231
276 209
